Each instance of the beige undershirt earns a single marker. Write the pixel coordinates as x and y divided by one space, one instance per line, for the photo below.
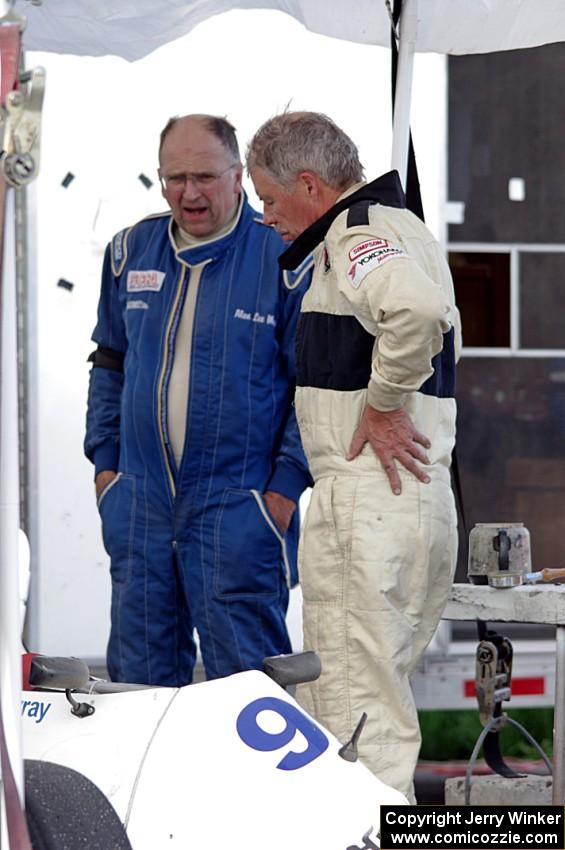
177 399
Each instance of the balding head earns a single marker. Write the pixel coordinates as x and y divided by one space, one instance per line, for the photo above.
219 127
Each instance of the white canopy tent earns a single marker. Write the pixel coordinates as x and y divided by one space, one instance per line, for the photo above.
133 28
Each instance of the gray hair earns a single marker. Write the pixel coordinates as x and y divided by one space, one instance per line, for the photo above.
215 124
305 141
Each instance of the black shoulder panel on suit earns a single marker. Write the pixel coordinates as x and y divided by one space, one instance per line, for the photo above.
358 214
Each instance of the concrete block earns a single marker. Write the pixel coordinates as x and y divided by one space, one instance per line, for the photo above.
496 790
534 603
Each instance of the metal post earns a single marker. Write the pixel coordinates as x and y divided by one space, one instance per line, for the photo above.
401 121
10 624
559 721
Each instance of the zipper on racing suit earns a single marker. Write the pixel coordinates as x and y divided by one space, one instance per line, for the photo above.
162 386
164 375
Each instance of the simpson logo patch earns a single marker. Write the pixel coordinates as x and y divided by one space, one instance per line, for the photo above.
367 262
366 247
145 281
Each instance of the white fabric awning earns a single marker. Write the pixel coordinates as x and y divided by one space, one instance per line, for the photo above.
133 28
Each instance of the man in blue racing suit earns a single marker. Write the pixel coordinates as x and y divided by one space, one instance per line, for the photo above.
190 422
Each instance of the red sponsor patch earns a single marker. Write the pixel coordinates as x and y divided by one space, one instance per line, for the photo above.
149 280
366 246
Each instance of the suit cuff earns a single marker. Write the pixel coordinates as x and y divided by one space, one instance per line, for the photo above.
289 481
383 398
106 456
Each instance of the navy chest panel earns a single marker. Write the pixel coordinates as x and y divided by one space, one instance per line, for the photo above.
335 353
332 352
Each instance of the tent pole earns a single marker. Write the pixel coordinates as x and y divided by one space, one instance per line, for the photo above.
408 26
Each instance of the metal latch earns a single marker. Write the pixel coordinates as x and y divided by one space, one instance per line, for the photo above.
20 107
21 120
493 676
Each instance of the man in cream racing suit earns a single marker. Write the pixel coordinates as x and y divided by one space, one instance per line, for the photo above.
377 342
190 423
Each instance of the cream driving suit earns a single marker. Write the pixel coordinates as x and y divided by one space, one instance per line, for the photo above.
378 325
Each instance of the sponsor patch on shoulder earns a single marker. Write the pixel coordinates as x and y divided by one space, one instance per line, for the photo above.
119 246
145 281
372 260
366 247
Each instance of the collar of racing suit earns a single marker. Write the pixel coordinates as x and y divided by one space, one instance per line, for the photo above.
217 244
183 239
386 190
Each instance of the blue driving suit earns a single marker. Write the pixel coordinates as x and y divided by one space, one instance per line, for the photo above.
195 546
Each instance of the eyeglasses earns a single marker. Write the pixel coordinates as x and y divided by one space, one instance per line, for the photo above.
200 180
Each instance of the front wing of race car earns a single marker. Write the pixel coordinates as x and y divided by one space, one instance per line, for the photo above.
234 760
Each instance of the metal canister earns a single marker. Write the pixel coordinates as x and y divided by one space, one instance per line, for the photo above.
498 547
